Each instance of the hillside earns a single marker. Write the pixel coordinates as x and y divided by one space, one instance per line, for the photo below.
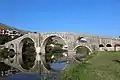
13 28
6 38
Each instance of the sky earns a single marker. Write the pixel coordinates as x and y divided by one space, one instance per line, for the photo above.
96 17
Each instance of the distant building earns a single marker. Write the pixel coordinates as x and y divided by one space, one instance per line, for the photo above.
2 30
12 33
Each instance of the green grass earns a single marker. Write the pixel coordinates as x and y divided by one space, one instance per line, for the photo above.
101 66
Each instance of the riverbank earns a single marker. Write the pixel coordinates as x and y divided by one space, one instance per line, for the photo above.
103 66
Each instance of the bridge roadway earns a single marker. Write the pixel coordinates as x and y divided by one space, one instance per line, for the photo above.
71 40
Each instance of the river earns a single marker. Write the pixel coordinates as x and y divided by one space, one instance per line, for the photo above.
28 76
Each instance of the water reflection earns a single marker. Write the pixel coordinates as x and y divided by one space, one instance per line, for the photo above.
24 76
58 66
13 74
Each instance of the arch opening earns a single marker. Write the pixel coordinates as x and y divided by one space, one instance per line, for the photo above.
28 53
101 45
55 53
12 53
81 52
108 45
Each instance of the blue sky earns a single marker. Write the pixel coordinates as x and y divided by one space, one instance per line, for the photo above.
98 17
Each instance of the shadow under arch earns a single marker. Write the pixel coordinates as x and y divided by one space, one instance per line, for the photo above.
108 45
101 45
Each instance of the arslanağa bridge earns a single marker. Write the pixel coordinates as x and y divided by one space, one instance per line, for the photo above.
71 42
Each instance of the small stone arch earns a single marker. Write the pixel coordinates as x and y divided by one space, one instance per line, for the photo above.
32 36
108 45
101 45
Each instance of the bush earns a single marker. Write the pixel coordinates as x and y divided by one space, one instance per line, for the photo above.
4 53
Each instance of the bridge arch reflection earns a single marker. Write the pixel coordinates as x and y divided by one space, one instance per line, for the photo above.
53 43
28 53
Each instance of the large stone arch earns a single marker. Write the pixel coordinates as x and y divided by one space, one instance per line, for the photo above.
36 38
20 60
22 42
45 40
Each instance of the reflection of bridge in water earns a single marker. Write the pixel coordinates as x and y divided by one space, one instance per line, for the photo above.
71 42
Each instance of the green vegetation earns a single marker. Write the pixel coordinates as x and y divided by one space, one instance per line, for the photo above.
100 66
5 53
6 38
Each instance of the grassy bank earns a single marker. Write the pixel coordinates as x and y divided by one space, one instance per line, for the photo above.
103 66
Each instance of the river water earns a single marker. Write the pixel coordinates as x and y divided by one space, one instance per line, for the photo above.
28 76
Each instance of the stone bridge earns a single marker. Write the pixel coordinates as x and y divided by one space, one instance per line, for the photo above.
72 41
